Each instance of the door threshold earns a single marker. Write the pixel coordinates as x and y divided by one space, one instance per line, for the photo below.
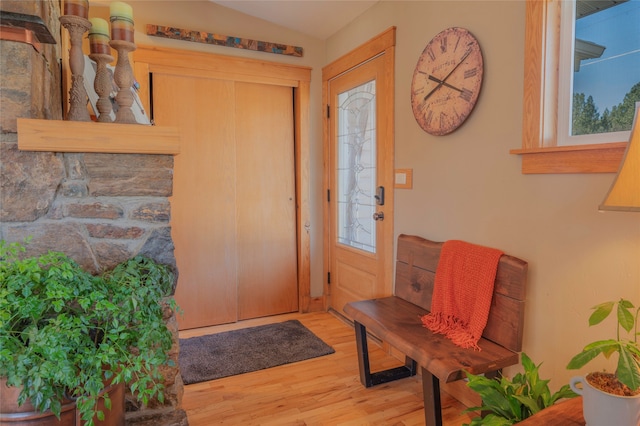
253 322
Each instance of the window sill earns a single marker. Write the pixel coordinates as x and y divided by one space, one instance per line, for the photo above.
597 158
78 136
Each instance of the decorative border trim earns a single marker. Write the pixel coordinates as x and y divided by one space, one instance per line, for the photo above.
222 40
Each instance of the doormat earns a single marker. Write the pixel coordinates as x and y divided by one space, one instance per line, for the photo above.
226 354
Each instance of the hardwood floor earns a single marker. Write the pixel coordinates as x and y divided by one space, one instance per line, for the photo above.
319 391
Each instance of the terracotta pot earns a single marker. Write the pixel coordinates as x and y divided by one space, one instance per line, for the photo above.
604 409
12 414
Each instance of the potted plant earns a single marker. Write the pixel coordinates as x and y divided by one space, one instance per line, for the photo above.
505 401
66 334
611 398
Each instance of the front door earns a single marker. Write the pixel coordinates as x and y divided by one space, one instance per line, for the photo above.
360 181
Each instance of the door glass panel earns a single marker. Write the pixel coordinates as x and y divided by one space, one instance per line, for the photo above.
357 167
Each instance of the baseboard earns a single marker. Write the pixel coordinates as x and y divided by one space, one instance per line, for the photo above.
315 304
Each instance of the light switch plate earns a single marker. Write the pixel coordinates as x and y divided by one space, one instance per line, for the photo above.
404 178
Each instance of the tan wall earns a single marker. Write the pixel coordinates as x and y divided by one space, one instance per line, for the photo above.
467 185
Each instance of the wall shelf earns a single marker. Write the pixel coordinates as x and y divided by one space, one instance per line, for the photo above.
78 136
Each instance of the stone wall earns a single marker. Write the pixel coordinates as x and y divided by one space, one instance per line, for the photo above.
30 80
100 209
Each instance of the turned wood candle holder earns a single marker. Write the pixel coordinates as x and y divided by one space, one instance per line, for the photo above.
77 26
102 85
123 76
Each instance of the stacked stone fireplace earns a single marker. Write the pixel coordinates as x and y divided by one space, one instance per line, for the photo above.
99 208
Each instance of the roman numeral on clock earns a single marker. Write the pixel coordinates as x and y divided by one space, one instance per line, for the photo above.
429 118
466 94
471 73
443 120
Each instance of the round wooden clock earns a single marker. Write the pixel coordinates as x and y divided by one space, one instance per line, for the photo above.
446 81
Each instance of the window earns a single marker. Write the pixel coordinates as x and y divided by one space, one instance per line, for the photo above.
356 174
542 151
599 71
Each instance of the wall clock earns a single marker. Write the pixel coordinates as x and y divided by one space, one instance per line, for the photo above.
446 81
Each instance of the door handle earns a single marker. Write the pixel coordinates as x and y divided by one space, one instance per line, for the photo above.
378 216
379 196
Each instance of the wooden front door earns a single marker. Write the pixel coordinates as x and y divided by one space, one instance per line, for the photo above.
233 206
360 177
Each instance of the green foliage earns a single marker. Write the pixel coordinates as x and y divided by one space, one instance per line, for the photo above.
63 331
585 115
510 401
587 120
628 369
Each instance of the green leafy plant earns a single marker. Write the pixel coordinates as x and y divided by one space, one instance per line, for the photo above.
510 401
65 333
628 367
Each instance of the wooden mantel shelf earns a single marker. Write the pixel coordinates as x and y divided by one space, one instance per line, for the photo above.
78 136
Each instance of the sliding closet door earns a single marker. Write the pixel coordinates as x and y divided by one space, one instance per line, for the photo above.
233 206
203 217
266 207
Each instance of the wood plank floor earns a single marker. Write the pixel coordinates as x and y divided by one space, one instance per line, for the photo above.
319 391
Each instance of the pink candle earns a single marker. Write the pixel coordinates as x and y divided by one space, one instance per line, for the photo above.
77 8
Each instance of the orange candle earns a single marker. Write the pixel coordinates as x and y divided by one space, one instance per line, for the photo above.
121 29
121 16
99 36
77 8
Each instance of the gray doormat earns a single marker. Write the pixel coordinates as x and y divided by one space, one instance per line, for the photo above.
241 351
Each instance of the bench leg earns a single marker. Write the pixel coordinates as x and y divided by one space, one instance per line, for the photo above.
367 378
431 393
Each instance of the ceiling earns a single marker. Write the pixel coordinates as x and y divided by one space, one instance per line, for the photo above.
316 18
323 18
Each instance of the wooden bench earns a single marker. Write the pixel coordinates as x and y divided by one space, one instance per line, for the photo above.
396 320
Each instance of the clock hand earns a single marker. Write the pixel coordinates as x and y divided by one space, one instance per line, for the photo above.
467 53
437 80
431 92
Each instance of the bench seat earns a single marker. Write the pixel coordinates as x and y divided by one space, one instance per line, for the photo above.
396 320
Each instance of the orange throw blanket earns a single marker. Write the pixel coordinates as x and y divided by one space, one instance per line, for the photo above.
462 292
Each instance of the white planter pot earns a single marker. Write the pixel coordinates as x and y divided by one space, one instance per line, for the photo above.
604 409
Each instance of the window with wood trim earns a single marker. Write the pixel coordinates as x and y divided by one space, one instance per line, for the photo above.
541 152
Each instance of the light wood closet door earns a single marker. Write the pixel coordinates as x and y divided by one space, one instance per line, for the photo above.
233 204
265 191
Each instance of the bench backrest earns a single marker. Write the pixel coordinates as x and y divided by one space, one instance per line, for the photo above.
417 260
